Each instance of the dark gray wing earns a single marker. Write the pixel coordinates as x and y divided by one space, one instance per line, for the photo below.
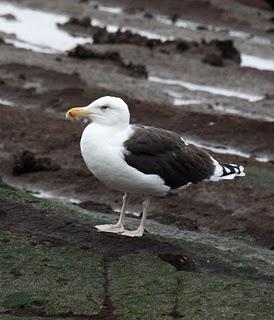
162 152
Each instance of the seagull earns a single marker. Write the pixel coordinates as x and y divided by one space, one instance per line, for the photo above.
134 158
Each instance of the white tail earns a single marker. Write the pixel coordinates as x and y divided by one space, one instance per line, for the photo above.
224 171
230 171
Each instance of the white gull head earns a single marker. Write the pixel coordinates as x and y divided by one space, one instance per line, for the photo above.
107 111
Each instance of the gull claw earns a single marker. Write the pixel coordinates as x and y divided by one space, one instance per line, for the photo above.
132 233
112 228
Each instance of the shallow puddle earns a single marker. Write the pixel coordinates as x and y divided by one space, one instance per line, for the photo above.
185 102
239 34
195 26
179 100
180 23
257 62
243 114
7 103
37 30
49 195
111 28
226 150
113 10
205 88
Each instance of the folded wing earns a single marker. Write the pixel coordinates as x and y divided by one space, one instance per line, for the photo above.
162 152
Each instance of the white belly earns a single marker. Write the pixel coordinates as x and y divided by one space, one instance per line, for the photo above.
103 156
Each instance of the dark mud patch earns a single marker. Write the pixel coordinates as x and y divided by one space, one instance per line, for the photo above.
179 261
82 52
27 162
217 52
84 22
79 25
135 70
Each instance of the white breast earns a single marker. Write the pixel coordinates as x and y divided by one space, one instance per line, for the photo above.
102 151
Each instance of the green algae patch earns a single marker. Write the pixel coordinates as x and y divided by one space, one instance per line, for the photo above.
259 176
9 193
202 296
142 286
17 300
11 317
53 207
51 279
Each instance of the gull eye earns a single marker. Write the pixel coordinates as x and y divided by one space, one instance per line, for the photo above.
104 107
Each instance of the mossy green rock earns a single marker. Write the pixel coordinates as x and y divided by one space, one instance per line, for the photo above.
53 265
58 279
17 300
143 287
11 317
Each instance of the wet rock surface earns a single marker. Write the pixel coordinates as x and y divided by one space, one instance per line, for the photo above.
203 56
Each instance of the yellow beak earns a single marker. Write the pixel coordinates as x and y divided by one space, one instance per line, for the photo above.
78 112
